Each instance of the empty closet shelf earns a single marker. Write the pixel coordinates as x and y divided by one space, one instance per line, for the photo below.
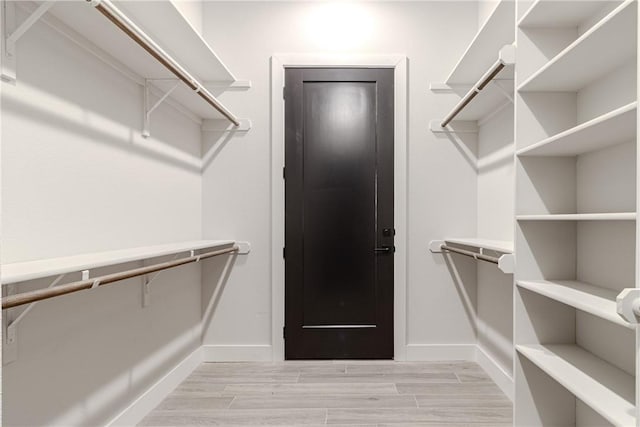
496 32
560 14
595 300
608 390
613 37
30 270
135 35
494 88
615 127
614 216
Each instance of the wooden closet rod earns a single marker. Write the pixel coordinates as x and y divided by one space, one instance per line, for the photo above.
475 255
42 294
490 75
136 34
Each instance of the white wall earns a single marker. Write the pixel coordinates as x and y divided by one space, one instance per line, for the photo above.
496 194
77 177
442 177
193 11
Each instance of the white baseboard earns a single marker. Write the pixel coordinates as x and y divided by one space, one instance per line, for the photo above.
144 404
495 372
237 353
432 352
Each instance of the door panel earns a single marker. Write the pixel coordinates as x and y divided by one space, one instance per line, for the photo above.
338 201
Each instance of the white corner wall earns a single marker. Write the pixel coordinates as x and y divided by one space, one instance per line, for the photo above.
193 11
77 177
442 175
496 193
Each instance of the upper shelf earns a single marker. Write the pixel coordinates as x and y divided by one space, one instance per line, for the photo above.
168 28
496 32
609 129
561 13
30 270
614 38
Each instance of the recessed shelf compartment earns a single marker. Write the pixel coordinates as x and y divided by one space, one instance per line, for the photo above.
615 127
560 13
496 32
614 216
603 387
30 270
600 302
613 38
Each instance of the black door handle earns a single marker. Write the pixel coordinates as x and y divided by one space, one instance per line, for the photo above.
385 249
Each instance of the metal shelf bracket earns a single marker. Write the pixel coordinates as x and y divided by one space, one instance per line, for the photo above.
10 345
12 32
146 127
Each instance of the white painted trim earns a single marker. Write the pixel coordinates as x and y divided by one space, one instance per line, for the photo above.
278 64
236 353
496 372
143 405
440 352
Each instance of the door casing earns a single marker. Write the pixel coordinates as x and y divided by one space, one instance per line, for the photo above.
278 64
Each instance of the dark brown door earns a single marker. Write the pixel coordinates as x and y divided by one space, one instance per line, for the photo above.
339 213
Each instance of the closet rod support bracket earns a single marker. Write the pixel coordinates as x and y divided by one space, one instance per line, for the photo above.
10 346
628 305
12 32
146 127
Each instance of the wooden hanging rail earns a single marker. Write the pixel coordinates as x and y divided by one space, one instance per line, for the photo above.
136 34
42 294
505 262
471 254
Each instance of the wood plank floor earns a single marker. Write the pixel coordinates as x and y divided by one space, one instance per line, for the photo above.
337 393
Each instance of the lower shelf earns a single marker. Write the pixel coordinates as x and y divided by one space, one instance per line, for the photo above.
607 390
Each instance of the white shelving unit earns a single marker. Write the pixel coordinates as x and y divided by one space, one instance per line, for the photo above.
576 200
30 270
496 32
490 48
592 299
603 387
561 14
612 128
169 29
614 216
577 66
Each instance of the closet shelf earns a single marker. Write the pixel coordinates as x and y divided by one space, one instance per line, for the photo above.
30 270
560 14
503 246
613 38
608 390
615 216
496 32
495 88
600 302
615 127
168 29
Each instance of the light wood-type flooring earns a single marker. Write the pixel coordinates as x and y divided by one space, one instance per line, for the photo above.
337 393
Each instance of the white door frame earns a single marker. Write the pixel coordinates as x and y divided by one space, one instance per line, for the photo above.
278 64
